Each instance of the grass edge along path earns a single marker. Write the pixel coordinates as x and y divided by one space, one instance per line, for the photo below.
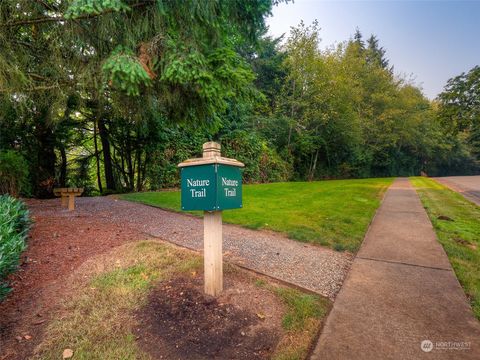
333 213
97 318
457 224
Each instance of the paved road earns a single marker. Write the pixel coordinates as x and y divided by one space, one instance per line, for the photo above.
400 291
468 186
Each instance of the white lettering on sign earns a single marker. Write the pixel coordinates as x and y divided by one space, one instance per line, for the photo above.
196 182
202 193
228 182
230 192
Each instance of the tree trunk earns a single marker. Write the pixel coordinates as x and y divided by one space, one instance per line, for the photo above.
124 172
144 170
63 167
44 172
314 167
97 156
130 164
139 170
107 156
131 172
292 113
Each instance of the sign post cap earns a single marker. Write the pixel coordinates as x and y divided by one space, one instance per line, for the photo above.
211 149
211 155
211 145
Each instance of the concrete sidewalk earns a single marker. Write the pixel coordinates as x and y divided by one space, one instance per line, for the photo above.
401 291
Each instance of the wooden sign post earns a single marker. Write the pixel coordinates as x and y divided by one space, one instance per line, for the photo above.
212 183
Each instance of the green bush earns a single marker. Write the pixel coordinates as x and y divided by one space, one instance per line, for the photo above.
262 162
14 226
176 145
13 173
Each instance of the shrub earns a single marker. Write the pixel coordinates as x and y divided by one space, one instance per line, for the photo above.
262 163
13 173
14 226
176 145
272 167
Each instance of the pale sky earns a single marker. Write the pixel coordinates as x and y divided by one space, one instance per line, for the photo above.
429 41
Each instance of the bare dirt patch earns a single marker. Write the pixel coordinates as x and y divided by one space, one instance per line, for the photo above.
180 322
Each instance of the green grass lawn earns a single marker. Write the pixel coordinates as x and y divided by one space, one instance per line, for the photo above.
460 238
332 213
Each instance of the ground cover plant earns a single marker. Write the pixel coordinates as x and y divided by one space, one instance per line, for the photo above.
457 224
122 302
14 225
332 213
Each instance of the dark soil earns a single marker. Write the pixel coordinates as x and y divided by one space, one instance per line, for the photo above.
180 322
444 217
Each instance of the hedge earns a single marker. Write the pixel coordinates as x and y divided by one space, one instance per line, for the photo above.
14 227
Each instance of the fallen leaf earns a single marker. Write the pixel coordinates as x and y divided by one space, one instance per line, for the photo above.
67 353
261 316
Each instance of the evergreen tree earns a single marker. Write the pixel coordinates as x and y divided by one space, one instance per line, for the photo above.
358 39
376 54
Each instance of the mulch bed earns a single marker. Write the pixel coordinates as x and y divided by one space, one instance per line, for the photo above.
60 241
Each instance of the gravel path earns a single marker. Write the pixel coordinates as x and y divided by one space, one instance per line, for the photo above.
312 267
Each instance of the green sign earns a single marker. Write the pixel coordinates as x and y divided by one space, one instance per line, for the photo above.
211 187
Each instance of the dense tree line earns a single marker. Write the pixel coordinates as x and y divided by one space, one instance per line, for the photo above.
343 113
112 94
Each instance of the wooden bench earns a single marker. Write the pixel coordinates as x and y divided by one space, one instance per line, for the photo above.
68 193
